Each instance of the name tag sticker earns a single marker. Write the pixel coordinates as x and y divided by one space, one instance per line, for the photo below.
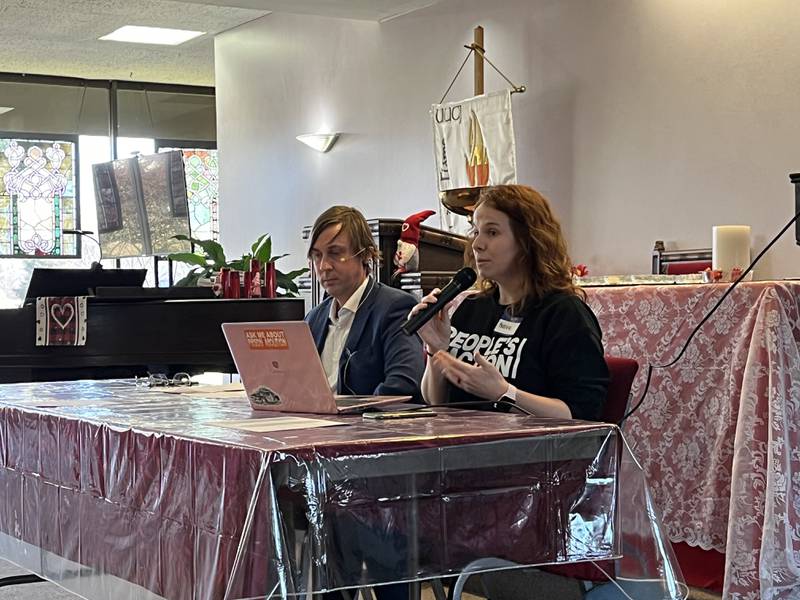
506 327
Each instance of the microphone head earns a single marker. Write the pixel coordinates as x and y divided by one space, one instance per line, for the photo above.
460 282
465 277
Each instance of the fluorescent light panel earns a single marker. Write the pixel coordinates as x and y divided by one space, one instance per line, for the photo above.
151 35
5 109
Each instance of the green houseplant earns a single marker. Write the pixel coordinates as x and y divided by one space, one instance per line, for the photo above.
212 259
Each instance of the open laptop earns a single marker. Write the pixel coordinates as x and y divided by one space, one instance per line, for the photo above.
281 370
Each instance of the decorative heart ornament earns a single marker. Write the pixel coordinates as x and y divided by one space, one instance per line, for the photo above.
65 314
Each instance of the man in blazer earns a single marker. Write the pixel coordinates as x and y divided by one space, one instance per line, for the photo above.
357 328
363 351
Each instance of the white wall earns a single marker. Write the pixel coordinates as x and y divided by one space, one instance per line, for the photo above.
643 120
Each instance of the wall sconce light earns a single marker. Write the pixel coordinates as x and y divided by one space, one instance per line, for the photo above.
321 142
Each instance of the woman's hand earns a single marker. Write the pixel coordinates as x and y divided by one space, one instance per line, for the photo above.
436 332
481 379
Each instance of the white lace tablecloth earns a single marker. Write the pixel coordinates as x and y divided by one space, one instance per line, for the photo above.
718 432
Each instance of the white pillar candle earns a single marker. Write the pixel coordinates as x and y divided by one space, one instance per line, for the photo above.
730 248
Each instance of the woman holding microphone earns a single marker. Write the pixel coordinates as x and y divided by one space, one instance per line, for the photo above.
525 337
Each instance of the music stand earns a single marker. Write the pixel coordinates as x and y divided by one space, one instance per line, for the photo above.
80 282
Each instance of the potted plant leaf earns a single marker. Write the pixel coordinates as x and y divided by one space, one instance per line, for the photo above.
211 258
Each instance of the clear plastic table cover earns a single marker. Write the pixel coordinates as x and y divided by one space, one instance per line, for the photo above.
116 491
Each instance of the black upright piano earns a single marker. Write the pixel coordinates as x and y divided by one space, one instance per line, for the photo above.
127 336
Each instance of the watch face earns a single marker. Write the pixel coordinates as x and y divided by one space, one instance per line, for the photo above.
504 404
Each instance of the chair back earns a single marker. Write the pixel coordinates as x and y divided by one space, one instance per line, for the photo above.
622 372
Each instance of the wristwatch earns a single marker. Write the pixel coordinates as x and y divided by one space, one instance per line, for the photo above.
508 398
511 393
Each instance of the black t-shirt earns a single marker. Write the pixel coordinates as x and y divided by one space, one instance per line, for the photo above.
552 349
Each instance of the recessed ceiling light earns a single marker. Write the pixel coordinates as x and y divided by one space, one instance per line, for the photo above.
5 109
151 35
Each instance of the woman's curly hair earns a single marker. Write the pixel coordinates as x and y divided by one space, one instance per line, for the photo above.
543 249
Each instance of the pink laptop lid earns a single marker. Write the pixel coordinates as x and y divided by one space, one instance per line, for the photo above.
279 366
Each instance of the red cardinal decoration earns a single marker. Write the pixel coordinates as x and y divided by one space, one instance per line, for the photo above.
407 256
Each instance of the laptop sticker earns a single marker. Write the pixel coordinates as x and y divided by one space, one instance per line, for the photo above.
266 339
265 396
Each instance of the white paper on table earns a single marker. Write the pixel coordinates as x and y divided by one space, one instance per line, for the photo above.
221 395
268 424
201 390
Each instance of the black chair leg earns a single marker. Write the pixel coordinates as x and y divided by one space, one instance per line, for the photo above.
450 588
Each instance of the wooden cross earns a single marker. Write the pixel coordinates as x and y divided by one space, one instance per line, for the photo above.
477 42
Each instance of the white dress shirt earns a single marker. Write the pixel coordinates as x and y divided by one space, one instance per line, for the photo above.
338 330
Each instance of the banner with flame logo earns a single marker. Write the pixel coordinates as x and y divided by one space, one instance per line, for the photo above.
474 142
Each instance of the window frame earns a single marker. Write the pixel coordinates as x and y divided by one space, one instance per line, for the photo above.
189 145
50 137
112 87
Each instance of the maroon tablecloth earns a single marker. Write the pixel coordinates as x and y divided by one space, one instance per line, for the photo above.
718 433
116 491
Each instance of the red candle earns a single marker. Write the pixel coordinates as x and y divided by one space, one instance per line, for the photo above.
224 281
221 284
270 280
234 285
248 283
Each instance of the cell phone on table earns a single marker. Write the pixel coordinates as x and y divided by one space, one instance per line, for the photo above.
402 414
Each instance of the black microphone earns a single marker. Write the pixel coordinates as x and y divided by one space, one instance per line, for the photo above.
460 282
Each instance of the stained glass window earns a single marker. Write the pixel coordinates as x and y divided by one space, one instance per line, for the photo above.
202 185
37 197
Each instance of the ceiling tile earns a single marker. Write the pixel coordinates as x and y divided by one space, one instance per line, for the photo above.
60 37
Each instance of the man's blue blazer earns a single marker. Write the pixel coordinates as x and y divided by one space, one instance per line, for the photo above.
378 358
